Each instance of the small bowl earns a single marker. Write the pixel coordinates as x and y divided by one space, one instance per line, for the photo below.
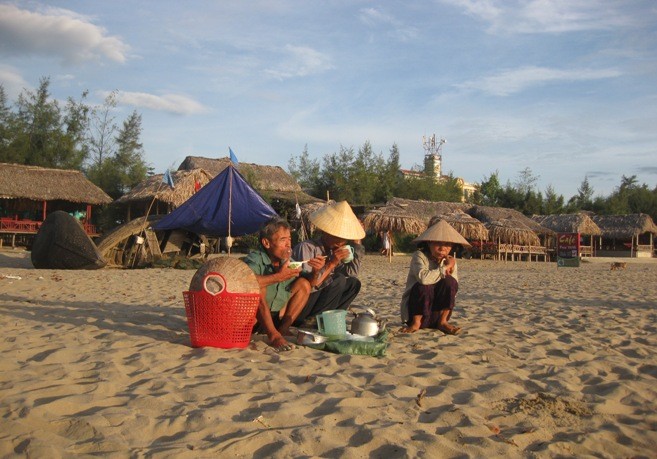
306 338
295 264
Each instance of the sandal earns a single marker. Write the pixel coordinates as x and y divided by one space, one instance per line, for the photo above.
451 331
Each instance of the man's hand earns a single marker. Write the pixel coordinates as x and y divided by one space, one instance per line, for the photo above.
317 263
450 262
341 254
285 272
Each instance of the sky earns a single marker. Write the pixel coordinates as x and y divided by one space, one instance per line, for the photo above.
567 88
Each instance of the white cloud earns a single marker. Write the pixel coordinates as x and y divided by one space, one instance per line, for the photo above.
12 81
373 17
300 61
517 80
543 16
173 103
56 32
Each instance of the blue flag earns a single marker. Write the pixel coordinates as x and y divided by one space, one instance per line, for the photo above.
233 158
168 179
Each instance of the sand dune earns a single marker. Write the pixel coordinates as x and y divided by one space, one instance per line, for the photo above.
553 362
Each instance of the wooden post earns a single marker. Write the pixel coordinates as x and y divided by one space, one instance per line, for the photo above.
43 219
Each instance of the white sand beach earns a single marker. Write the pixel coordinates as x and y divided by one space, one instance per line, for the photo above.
552 362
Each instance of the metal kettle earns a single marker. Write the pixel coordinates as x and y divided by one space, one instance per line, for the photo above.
366 323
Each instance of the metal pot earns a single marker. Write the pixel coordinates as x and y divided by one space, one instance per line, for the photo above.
366 324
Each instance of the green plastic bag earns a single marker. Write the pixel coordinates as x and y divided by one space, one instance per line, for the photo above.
376 348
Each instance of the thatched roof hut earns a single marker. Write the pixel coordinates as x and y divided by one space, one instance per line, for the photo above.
270 181
625 226
487 214
569 223
44 184
154 188
408 215
467 226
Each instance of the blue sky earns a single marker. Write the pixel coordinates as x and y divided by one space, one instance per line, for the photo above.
565 87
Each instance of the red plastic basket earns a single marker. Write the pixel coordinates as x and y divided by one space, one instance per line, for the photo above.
220 319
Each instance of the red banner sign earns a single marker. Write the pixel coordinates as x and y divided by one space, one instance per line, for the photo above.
568 249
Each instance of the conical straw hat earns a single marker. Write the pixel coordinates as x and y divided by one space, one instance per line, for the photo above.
338 220
442 232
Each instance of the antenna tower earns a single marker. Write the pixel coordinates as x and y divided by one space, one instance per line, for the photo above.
431 147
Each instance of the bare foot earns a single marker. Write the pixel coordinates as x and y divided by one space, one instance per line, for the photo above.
409 329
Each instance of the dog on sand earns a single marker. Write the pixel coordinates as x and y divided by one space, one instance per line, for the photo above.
618 265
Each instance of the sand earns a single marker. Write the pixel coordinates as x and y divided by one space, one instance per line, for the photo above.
552 362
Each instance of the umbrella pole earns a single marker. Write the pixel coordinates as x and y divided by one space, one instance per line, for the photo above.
230 208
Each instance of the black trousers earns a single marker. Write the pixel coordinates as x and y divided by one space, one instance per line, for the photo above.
429 300
337 295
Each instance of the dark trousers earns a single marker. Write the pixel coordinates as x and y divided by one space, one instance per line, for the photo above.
337 295
429 300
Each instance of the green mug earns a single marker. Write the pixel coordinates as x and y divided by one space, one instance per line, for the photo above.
332 323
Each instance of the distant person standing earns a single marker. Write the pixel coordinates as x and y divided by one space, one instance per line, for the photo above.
386 243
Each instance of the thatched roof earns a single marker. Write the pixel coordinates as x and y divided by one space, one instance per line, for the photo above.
625 226
569 223
43 184
467 226
487 214
408 215
509 231
184 183
271 181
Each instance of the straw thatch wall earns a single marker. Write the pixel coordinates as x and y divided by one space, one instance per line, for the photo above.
508 231
271 181
184 188
382 220
569 223
43 184
467 226
487 214
625 226
407 215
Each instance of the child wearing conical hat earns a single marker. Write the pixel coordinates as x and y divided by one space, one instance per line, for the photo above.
432 283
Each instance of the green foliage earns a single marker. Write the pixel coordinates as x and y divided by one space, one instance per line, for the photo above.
553 202
490 191
365 177
305 171
40 132
117 160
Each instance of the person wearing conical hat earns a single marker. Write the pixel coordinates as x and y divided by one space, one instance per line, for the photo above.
333 259
432 282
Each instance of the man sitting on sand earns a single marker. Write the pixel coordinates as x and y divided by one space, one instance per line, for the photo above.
283 293
331 265
432 282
